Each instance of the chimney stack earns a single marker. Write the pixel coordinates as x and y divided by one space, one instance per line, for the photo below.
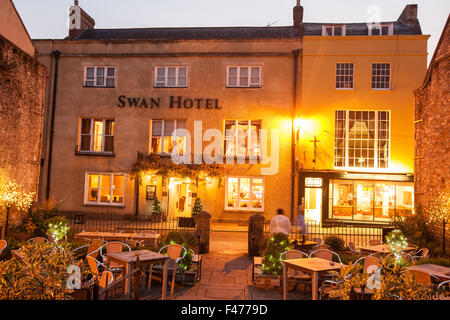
298 15
79 20
409 15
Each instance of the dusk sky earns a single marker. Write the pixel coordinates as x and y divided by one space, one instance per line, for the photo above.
47 19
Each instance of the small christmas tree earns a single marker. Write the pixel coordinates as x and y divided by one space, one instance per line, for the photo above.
271 264
156 209
198 207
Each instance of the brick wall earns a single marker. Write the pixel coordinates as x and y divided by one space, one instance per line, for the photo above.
432 164
22 84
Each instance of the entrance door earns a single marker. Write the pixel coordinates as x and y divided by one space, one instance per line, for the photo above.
180 200
313 204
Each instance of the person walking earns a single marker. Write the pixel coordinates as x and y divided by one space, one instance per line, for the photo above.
300 221
280 223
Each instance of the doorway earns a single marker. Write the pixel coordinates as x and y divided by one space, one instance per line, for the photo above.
180 198
313 204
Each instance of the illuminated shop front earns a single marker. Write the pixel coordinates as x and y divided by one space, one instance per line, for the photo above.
355 197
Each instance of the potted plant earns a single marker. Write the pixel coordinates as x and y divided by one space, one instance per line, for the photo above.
156 210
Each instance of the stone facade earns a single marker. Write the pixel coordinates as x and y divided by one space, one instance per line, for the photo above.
432 163
22 83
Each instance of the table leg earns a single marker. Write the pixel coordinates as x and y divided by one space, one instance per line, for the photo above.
285 286
128 281
164 281
315 285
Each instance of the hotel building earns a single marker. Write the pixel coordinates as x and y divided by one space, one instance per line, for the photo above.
118 95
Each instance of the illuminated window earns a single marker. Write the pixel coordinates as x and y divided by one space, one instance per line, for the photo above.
344 76
96 136
381 76
105 189
244 193
100 77
244 77
377 29
362 139
162 139
171 77
333 30
242 138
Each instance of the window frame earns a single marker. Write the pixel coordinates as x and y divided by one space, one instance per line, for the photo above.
251 193
236 137
336 75
333 26
162 136
91 134
99 203
249 76
95 76
375 26
390 77
377 139
166 76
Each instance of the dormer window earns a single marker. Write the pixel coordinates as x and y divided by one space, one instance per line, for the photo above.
377 29
338 30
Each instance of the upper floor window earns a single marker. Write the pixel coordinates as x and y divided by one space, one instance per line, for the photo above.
104 188
171 77
244 77
377 29
242 138
100 77
96 136
333 30
344 75
362 139
381 76
162 139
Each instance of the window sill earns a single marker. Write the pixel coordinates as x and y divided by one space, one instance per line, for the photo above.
120 206
344 90
99 87
244 211
95 154
260 87
381 90
155 87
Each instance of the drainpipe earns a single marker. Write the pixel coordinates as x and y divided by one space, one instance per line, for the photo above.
55 54
296 54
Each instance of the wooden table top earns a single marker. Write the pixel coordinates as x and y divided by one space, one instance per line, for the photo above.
306 243
117 235
314 264
441 272
383 248
130 256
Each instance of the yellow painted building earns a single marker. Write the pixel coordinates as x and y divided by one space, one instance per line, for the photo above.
355 125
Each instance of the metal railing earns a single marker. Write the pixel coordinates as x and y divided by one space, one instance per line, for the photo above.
356 233
111 222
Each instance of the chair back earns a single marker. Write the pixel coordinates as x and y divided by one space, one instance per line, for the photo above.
423 252
94 246
374 242
293 254
407 257
421 277
368 261
174 251
105 279
114 246
352 246
3 245
323 254
37 240
318 240
92 262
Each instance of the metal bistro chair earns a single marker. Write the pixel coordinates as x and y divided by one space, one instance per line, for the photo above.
374 242
37 240
325 254
148 242
295 275
318 240
93 247
353 248
420 254
443 290
94 265
176 253
3 245
368 261
104 279
111 247
197 260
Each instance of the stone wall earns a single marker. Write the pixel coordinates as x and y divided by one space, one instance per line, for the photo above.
432 164
22 84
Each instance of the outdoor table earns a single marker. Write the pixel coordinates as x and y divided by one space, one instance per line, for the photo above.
304 245
146 257
313 266
118 236
382 248
443 273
